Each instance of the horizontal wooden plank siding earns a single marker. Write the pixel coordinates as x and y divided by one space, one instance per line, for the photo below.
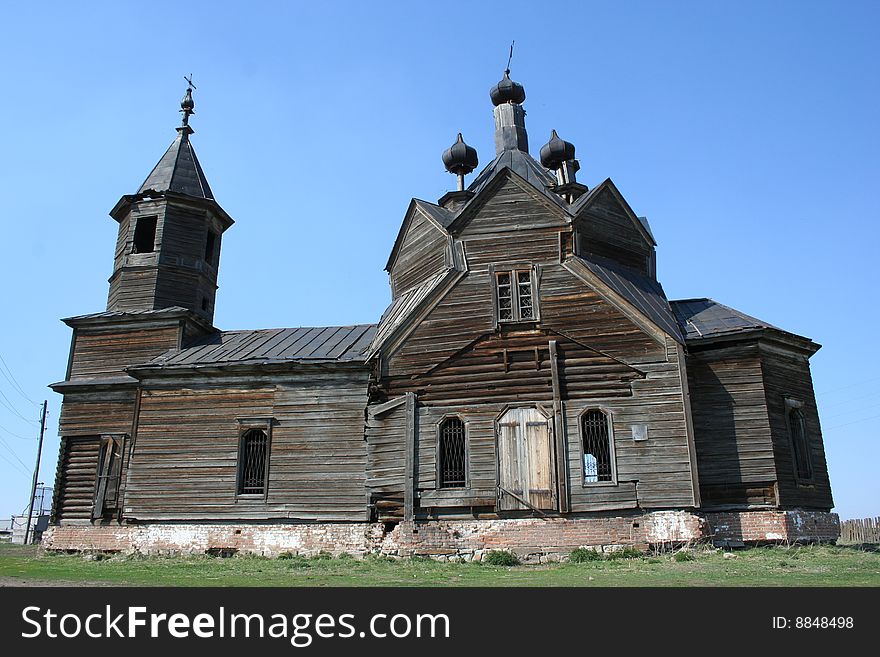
422 253
184 464
731 427
77 473
787 374
108 352
604 229
386 437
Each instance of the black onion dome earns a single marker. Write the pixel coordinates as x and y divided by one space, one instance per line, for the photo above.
187 104
460 158
507 91
556 151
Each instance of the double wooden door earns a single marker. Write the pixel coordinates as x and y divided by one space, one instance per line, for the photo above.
525 461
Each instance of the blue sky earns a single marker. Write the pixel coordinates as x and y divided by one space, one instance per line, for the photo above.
746 132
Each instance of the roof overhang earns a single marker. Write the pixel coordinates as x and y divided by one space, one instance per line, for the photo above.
120 210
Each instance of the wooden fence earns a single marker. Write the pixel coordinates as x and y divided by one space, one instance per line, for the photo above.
860 530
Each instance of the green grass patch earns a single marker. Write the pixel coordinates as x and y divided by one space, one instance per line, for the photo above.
770 566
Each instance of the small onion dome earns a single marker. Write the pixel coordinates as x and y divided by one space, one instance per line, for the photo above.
187 104
507 91
556 151
460 158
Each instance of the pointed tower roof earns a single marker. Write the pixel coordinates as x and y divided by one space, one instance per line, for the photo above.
179 169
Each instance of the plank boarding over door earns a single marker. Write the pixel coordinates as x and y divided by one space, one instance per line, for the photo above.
525 463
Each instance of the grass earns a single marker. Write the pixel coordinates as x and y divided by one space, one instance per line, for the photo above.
771 566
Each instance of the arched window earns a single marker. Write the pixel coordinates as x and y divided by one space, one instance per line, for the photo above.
252 461
596 442
803 463
452 454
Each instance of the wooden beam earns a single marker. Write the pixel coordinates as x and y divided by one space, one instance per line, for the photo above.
559 430
411 428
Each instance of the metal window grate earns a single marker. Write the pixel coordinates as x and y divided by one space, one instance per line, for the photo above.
515 298
252 462
452 454
597 447
801 449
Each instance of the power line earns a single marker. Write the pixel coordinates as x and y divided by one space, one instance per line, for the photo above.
15 466
847 387
8 405
11 378
12 451
864 419
13 434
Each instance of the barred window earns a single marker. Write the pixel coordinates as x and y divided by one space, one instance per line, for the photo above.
515 296
253 453
596 441
800 447
452 457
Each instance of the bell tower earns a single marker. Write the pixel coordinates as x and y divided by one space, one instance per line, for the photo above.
170 232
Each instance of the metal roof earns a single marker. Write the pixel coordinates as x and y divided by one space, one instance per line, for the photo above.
179 171
525 166
316 344
704 318
640 290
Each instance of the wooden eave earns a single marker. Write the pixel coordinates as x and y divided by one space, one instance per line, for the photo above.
769 335
250 370
94 383
152 319
121 208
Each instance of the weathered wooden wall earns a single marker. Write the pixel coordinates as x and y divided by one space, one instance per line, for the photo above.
107 351
458 364
787 374
421 253
732 427
175 273
184 460
605 230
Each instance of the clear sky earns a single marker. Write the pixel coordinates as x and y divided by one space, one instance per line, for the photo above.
746 132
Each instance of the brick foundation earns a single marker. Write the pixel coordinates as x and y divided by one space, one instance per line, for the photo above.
532 539
773 526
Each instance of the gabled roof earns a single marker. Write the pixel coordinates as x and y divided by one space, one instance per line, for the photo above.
641 291
179 171
640 223
441 217
526 167
405 306
701 318
316 344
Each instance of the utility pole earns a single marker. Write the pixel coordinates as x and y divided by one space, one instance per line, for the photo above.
27 527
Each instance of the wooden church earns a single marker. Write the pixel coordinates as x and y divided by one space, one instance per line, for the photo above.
529 387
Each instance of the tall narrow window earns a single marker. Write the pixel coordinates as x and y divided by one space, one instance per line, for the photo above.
144 235
803 463
210 245
598 462
452 454
515 296
252 462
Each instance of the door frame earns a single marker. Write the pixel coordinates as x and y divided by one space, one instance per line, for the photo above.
547 414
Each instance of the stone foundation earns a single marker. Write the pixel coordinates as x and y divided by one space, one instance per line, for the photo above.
532 539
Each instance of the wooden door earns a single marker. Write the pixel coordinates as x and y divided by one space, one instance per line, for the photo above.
525 461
